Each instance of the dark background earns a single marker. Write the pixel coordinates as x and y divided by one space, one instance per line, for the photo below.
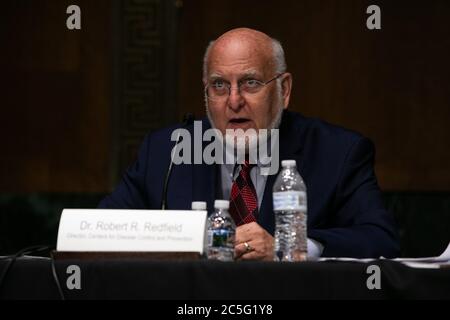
76 104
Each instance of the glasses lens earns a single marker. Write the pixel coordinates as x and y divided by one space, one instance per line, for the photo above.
251 87
216 92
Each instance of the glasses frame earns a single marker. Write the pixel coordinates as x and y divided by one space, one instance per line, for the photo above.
229 86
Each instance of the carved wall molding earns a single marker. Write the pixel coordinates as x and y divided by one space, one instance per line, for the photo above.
145 73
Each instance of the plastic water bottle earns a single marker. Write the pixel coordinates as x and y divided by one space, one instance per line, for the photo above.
290 208
202 206
221 233
198 205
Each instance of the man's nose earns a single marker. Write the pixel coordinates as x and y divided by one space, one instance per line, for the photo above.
235 101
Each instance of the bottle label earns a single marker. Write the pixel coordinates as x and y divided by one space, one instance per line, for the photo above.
289 200
221 238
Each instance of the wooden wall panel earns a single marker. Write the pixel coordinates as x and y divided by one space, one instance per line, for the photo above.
391 85
55 97
78 103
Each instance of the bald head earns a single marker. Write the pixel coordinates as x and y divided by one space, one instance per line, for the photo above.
246 33
241 43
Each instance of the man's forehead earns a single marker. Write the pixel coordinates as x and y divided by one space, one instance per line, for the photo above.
240 49
239 61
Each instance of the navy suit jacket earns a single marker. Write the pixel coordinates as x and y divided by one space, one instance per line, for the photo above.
345 207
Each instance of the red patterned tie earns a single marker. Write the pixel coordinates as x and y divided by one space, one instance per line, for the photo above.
243 200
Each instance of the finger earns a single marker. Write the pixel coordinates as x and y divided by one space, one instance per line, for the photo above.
238 251
242 236
252 255
256 255
241 249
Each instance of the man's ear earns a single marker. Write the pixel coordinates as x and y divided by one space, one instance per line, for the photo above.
286 88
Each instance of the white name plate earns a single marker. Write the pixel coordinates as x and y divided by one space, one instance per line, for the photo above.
99 230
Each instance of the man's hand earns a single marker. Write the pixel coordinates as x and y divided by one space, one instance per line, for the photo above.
253 243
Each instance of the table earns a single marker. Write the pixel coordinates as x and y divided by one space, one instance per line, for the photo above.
31 278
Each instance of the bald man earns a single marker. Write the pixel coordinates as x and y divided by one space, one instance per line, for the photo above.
247 87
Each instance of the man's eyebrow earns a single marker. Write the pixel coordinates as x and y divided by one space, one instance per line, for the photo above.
244 75
215 76
250 74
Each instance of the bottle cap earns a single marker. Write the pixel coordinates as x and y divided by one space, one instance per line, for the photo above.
198 205
288 163
222 204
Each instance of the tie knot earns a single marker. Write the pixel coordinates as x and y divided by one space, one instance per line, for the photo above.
246 167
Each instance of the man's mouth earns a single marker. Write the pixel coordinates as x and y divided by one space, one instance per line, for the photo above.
239 120
240 123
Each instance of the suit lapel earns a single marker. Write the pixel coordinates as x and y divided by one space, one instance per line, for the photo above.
204 184
204 177
179 195
192 182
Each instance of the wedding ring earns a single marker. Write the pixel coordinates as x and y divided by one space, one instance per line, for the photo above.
248 247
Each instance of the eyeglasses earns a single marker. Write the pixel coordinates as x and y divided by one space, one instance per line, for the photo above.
220 90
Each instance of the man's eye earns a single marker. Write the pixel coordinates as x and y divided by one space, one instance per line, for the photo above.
251 83
219 84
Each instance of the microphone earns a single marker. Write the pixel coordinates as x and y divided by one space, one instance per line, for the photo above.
188 119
